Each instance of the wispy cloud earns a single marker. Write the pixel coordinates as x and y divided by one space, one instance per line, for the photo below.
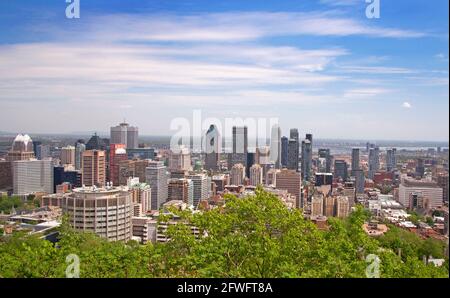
406 105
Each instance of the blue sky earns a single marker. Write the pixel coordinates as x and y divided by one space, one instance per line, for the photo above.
318 65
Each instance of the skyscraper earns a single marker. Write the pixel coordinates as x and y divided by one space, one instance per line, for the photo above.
157 177
180 159
355 160
290 180
117 153
284 151
342 206
275 146
240 146
237 174
213 144
420 167
256 175
374 161
341 169
293 158
31 176
201 186
22 148
125 134
391 159
325 153
306 158
68 155
94 168
80 147
359 181
181 189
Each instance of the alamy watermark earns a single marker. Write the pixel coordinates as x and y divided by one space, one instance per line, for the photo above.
73 266
373 269
73 9
373 9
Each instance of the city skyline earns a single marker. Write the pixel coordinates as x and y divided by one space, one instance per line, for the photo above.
321 66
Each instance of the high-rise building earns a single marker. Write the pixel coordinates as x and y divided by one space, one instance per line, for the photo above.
306 158
391 159
220 180
325 153
359 181
324 179
340 169
317 205
374 161
284 151
181 189
63 175
420 168
94 168
240 146
125 134
141 194
355 160
213 144
22 149
180 159
117 154
80 147
275 146
293 134
237 174
342 206
293 155
85 208
41 151
132 168
5 175
329 206
201 187
442 181
97 143
68 155
430 191
157 177
31 176
290 180
256 175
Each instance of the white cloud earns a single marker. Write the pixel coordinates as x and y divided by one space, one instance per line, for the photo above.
406 105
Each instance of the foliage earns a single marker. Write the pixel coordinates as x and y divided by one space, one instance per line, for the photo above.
252 237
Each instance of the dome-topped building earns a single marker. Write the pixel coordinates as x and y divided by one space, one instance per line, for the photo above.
22 148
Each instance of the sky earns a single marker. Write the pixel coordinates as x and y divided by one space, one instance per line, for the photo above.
320 66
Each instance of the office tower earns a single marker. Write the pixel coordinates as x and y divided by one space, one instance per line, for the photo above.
97 143
293 151
41 151
342 207
80 147
68 155
306 158
251 156
284 151
157 177
355 160
141 194
256 175
430 191
132 168
290 180
125 134
340 169
220 180
317 205
181 189
237 174
180 159
293 134
420 168
374 161
213 144
323 179
5 175
270 176
22 149
31 176
63 175
117 154
442 181
240 146
309 137
201 186
359 181
391 159
85 208
275 146
325 153
329 206
94 168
